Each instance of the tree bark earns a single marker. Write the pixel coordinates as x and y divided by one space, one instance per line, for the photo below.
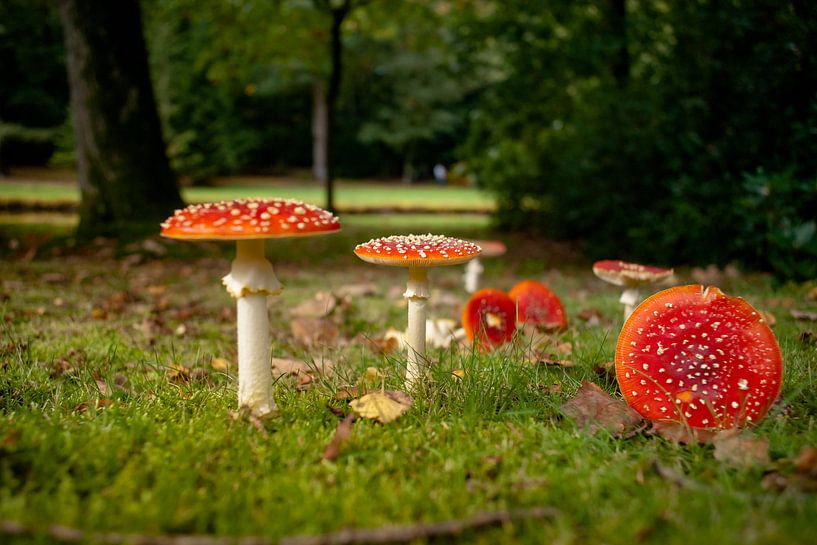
125 179
335 77
320 129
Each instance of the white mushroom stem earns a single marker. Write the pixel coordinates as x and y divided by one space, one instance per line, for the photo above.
251 281
417 294
471 277
629 298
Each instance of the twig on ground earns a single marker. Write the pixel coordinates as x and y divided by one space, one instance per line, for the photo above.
413 532
350 536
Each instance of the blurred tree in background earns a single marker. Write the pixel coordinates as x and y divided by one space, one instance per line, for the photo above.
669 132
702 151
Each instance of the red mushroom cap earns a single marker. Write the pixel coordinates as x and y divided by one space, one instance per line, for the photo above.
622 273
697 356
489 316
249 219
537 305
417 251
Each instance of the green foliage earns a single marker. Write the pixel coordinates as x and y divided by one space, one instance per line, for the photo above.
651 166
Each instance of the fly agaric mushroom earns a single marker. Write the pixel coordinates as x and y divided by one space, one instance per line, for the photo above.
251 279
417 253
490 248
631 276
538 306
489 318
698 356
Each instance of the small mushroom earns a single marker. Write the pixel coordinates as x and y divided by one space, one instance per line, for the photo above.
474 268
417 253
489 318
695 355
538 306
251 279
631 276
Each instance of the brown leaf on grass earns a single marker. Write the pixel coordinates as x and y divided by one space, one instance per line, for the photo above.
812 294
803 478
220 364
92 404
391 341
303 372
312 331
681 434
737 448
803 315
99 314
347 393
539 358
807 338
354 291
342 434
178 373
591 316
594 409
384 406
320 306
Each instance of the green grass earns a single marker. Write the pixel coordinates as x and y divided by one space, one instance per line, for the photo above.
166 456
349 194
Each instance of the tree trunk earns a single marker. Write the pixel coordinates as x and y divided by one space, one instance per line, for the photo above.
320 128
124 175
618 25
336 51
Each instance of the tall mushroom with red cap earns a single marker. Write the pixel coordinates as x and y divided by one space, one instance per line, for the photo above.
695 355
251 279
631 276
416 253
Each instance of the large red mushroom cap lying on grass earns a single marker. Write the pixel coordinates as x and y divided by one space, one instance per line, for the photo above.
695 355
417 253
489 318
251 279
538 306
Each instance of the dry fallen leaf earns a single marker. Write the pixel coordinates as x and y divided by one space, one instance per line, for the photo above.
593 409
383 406
678 433
737 448
220 364
803 314
320 306
391 341
340 438
440 332
353 291
304 372
312 331
807 337
178 373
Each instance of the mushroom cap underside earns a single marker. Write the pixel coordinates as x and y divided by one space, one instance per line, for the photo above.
254 218
622 273
489 317
695 355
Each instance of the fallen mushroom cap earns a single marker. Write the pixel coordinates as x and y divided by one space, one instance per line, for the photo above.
417 251
489 317
254 218
698 356
622 273
537 305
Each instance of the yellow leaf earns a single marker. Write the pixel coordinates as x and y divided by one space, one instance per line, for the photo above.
220 364
382 406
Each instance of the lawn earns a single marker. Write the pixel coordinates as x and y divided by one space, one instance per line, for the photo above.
46 188
118 413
